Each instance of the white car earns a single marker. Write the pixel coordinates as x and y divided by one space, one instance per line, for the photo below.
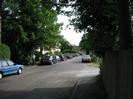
58 58
86 58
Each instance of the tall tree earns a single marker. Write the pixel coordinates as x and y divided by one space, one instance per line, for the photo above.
85 43
124 24
28 24
99 19
1 2
106 8
64 44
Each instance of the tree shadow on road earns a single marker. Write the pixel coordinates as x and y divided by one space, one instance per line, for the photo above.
38 93
89 88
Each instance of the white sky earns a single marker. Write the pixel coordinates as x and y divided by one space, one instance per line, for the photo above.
69 34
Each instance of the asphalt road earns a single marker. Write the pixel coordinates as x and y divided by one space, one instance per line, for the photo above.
46 82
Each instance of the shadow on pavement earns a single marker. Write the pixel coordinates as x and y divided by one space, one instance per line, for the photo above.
39 93
87 88
76 62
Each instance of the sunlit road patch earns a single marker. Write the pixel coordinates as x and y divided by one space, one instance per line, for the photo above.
88 72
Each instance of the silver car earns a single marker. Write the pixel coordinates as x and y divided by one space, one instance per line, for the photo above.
86 58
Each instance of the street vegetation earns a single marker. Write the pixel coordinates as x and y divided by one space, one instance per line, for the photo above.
31 24
27 25
104 25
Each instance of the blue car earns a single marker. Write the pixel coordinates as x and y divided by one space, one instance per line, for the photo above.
9 67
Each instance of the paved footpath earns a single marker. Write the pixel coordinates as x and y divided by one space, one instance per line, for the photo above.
88 88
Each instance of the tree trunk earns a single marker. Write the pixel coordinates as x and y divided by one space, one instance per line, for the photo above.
0 27
1 18
41 50
124 24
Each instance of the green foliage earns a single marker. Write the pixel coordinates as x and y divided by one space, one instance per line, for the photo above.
27 60
65 45
85 43
99 20
4 52
96 59
49 53
58 53
27 25
70 51
38 55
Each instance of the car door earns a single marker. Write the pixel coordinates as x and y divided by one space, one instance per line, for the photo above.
6 68
12 66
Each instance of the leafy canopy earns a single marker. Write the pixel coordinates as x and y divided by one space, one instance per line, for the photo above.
27 25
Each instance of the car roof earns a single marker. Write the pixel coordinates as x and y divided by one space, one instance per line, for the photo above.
86 55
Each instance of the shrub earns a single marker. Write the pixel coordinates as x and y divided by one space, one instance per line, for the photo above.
4 51
70 51
27 60
96 59
38 55
58 53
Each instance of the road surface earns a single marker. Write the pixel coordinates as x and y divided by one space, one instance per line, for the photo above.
46 82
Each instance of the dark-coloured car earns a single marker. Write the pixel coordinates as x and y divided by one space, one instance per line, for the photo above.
48 59
9 67
62 57
68 55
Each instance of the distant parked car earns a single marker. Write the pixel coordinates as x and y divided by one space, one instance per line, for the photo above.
9 67
48 59
68 55
62 57
86 58
57 58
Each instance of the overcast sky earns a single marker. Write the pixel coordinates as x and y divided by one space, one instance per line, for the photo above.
69 34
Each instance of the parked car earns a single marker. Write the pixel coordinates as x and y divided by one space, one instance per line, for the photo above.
57 58
86 58
68 55
9 67
48 59
62 57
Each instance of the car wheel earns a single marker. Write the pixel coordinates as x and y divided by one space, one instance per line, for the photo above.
1 75
19 71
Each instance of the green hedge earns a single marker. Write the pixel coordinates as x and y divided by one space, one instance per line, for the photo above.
96 59
4 51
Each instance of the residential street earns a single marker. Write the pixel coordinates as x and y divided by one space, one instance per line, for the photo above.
46 82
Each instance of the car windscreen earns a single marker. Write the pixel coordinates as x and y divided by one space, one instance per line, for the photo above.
86 56
10 62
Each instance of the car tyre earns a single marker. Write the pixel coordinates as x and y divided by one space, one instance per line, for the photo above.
1 75
19 71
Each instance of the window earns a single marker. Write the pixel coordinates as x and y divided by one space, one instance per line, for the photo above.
4 63
0 63
10 63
